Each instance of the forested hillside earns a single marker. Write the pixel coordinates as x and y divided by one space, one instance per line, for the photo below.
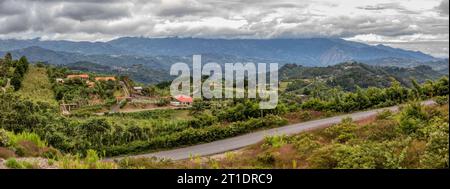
351 75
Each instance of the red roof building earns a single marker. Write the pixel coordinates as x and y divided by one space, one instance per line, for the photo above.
81 76
183 99
105 79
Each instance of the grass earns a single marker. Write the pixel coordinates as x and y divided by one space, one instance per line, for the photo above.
14 164
91 161
181 115
37 87
283 85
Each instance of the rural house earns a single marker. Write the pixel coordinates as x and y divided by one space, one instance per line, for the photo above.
138 89
111 78
182 100
80 76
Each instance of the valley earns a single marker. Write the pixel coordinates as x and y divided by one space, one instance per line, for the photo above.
71 117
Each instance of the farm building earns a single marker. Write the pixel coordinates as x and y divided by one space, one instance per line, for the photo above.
105 78
137 89
182 100
80 76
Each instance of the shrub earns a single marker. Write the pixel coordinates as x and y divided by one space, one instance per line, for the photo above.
162 102
305 144
412 119
91 161
123 103
323 158
26 148
266 158
50 153
385 114
305 115
275 141
4 138
14 164
382 130
441 100
344 137
6 153
91 156
32 137
436 152
341 131
146 163
202 120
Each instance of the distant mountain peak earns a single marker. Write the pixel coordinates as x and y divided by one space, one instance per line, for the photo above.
306 51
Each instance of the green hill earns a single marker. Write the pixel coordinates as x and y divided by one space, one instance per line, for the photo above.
349 75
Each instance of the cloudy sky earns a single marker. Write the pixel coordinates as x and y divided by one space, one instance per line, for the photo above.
411 24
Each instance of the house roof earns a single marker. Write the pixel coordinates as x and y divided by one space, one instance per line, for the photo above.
105 78
184 98
78 76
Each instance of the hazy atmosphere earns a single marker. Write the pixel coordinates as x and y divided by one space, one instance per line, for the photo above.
409 24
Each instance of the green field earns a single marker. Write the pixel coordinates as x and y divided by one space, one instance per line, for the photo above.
37 87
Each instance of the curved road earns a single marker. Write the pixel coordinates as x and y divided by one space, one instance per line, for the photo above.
241 141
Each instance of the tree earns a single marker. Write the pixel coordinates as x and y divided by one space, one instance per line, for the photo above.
198 106
8 58
16 81
418 91
149 91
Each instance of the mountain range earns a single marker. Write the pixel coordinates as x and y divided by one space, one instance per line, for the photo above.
159 54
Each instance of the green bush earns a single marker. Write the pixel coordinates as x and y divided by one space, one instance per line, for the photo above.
4 138
162 102
275 141
305 144
26 148
24 136
266 158
14 164
385 114
203 120
51 153
441 100
412 118
342 131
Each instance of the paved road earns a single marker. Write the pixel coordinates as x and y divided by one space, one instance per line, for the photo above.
234 143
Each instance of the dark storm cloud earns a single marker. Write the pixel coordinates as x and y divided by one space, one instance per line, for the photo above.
10 7
443 7
14 24
93 11
181 8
